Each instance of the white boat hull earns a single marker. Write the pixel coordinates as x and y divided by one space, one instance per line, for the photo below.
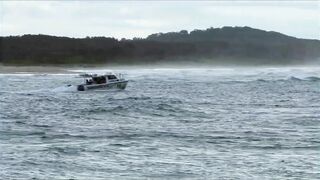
110 85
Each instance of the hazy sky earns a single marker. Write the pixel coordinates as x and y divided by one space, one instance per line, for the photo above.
140 18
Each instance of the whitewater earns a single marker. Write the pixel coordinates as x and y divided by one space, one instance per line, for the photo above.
169 123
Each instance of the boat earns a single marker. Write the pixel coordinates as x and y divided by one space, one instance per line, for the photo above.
105 81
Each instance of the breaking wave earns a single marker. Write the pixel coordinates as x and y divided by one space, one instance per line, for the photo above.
291 78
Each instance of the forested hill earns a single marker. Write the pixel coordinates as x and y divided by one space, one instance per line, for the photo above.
230 34
227 45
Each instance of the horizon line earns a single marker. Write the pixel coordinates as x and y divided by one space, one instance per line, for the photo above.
122 38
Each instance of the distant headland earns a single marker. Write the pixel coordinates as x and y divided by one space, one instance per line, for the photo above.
216 46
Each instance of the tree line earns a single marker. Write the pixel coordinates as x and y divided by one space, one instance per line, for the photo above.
227 45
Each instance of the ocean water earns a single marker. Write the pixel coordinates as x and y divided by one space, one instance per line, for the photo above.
206 123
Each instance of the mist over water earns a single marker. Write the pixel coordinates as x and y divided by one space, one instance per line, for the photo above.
169 123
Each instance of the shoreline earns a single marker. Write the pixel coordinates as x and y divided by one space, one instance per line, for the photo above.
33 69
4 69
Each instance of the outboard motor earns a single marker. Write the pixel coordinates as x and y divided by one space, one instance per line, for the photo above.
80 88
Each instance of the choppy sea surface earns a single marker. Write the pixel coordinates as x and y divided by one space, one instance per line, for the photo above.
223 123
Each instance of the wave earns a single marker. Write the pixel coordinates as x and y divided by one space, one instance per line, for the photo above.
130 98
309 78
67 88
261 80
270 79
22 133
313 78
291 78
279 146
102 110
63 136
66 150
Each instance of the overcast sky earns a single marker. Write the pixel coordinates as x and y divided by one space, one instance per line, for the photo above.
128 19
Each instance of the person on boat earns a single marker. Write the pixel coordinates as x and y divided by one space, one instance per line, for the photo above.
88 82
103 79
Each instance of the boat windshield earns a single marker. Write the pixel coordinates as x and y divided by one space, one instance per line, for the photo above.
112 77
99 79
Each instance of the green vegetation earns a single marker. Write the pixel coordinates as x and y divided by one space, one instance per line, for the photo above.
227 45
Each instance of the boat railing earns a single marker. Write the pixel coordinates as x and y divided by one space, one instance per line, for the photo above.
119 76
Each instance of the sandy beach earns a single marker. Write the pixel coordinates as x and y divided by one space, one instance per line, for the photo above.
54 69
33 69
70 69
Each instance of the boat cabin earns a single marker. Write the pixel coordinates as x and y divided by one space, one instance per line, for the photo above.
105 81
101 79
